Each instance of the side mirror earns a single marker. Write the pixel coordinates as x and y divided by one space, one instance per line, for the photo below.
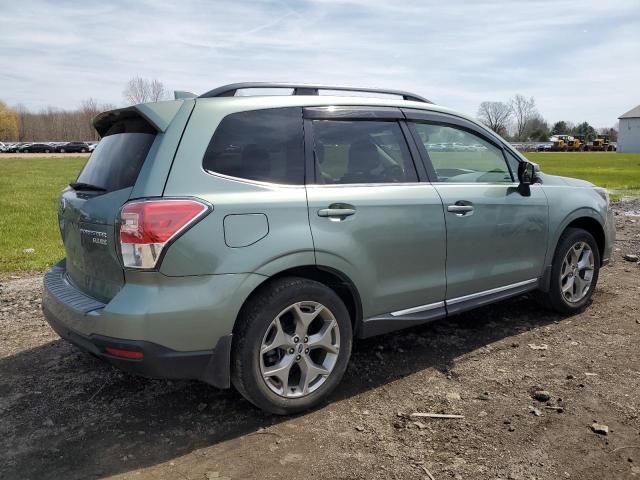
526 176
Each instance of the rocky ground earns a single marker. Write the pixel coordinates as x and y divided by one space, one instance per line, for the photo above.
529 384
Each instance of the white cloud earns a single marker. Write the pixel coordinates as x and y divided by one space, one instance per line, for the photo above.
580 60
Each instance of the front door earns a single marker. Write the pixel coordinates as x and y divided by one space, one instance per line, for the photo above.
372 219
496 236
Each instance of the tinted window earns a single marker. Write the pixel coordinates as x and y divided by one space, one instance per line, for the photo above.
361 152
461 156
262 145
513 162
117 159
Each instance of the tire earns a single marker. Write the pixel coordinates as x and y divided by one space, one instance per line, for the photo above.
564 277
83 150
273 306
62 150
47 151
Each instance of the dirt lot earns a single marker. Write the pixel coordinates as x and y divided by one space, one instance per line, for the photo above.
64 414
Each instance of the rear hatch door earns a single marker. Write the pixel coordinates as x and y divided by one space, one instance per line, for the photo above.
90 205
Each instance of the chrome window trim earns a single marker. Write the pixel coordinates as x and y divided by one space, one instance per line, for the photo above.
420 308
392 184
484 293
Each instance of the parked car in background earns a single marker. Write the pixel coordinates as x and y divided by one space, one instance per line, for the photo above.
37 148
247 241
73 147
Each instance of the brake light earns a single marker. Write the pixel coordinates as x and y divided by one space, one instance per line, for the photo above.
147 226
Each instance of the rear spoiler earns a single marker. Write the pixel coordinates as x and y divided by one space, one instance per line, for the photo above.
158 114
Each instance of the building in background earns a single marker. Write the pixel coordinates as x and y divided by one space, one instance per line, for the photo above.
629 131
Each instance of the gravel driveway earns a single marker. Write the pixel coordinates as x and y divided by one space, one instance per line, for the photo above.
64 414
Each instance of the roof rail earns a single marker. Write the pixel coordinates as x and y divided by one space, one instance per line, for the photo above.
306 89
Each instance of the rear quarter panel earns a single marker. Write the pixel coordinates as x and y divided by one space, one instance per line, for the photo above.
203 250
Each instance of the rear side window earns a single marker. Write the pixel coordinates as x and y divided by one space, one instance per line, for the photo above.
361 152
262 145
118 157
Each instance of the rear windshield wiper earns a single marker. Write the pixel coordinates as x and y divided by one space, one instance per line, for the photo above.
86 186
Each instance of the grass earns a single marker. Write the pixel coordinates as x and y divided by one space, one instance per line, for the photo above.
30 187
617 172
29 191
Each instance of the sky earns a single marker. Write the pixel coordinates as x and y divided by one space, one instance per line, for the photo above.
579 59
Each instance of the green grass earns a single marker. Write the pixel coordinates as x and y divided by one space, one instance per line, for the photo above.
29 191
30 187
617 172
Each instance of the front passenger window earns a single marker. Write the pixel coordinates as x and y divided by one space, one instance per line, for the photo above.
459 156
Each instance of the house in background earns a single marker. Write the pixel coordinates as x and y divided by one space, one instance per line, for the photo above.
629 131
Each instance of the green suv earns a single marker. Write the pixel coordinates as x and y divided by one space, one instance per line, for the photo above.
246 240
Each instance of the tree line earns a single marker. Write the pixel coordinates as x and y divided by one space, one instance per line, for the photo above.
19 124
518 120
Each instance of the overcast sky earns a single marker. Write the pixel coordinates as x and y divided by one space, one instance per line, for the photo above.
580 59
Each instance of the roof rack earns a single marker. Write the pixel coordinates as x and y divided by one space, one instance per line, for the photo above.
306 89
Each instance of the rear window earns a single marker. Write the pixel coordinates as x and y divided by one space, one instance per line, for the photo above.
263 145
117 159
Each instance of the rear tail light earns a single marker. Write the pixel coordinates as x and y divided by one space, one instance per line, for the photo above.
147 227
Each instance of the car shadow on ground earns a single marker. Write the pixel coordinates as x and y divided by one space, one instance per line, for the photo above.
65 414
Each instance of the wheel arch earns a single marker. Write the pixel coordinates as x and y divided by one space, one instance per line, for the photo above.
594 227
337 281
586 219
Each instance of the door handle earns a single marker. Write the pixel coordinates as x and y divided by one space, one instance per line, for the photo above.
337 210
460 210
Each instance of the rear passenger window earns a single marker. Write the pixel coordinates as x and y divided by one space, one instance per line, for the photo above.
263 145
361 152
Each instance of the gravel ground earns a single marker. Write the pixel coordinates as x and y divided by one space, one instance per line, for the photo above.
64 414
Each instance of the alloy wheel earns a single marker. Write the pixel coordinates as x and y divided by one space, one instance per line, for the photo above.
576 273
299 349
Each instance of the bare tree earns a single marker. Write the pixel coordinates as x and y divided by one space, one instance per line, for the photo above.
524 110
157 91
495 115
141 90
53 124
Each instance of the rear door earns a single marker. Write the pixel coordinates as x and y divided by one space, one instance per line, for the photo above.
496 237
371 216
89 206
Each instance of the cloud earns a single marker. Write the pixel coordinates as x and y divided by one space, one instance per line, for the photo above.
580 62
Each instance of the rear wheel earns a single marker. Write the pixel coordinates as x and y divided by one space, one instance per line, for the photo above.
574 273
291 346
62 150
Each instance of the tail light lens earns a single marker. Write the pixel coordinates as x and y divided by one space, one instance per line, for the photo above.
147 227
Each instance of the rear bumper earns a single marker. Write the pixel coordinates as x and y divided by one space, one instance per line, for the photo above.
149 325
211 366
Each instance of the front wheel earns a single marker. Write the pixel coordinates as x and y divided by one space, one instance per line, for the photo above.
574 273
291 345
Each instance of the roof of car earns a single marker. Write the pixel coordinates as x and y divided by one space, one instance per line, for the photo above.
272 101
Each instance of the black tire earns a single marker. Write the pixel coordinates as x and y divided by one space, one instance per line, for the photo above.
62 150
254 320
83 150
554 298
